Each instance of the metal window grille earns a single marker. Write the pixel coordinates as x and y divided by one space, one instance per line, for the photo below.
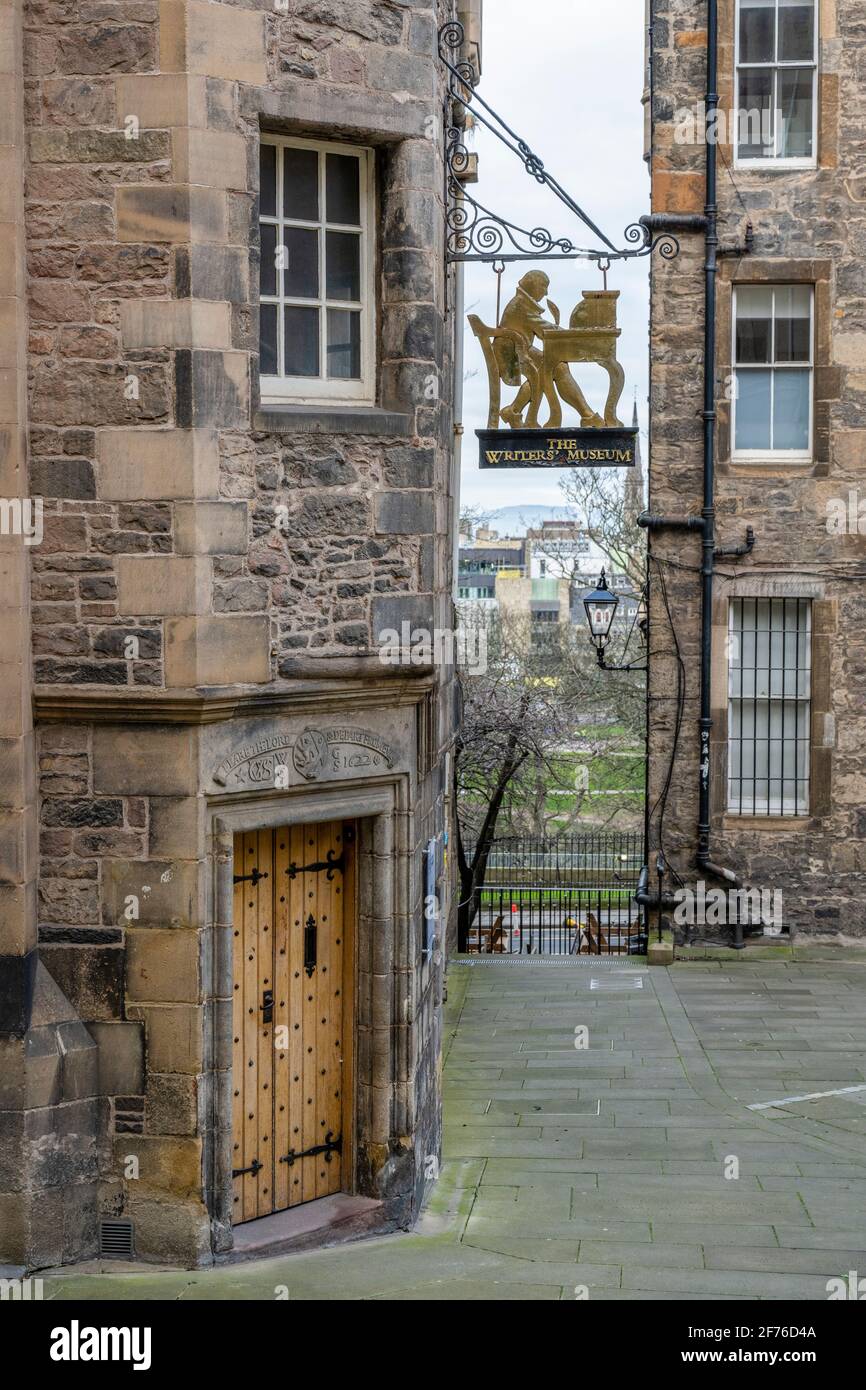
769 706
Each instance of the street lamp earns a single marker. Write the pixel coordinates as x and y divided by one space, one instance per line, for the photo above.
601 606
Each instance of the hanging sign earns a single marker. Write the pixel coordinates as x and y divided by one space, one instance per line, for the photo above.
529 350
557 448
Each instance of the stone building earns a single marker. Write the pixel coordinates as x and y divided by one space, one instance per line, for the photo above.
228 376
788 687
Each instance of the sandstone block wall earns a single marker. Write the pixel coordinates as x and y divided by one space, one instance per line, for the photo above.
205 556
809 227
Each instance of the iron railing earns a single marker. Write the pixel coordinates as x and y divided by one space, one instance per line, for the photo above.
573 895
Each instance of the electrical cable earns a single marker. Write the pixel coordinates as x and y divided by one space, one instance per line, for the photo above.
730 174
662 798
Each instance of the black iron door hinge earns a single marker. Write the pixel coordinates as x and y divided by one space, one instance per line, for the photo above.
253 1168
252 878
330 1146
329 863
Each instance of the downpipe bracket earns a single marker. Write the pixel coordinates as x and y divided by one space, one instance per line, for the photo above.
656 521
734 552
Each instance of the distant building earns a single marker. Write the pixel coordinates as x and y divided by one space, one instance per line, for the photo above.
480 561
542 600
558 549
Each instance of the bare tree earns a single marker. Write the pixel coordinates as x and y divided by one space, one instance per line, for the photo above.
605 505
509 718
520 716
471 518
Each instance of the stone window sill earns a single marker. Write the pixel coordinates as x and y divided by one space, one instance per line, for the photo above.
335 419
742 468
770 823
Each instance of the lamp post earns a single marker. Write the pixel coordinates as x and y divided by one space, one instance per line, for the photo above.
601 606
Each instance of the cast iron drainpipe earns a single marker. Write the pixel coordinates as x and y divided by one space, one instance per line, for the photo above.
706 522
708 511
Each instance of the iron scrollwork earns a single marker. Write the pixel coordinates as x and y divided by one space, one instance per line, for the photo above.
473 231
667 245
471 227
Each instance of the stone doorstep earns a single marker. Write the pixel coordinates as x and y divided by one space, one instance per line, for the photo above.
314 1225
102 1264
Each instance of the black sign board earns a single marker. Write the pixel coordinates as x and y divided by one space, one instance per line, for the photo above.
576 448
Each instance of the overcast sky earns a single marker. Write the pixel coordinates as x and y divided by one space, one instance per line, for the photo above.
567 76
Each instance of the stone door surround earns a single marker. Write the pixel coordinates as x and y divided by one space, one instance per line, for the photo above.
383 981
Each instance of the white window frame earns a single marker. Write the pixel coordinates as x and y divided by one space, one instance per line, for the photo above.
276 390
773 455
775 161
765 809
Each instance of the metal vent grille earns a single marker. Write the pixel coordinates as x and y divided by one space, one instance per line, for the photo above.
115 1240
623 981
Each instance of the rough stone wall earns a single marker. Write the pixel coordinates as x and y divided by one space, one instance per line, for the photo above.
49 1110
109 272
250 551
346 541
809 226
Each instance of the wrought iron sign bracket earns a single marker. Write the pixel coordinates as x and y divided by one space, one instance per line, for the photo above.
474 232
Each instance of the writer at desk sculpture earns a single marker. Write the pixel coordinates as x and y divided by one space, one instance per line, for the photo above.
512 357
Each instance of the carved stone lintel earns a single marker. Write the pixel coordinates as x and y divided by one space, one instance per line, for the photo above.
313 755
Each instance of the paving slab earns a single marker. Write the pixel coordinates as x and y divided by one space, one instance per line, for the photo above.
601 1173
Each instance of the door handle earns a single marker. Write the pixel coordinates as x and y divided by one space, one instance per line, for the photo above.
267 1006
310 945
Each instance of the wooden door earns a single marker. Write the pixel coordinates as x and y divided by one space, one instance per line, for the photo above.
294 905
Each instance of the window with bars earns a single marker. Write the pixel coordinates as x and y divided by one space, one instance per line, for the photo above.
773 371
317 306
777 78
769 706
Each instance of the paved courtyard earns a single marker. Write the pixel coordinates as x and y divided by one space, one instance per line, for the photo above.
599 1171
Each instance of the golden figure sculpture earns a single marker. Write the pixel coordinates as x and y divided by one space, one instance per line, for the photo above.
513 359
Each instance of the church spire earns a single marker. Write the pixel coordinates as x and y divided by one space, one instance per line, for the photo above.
634 501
